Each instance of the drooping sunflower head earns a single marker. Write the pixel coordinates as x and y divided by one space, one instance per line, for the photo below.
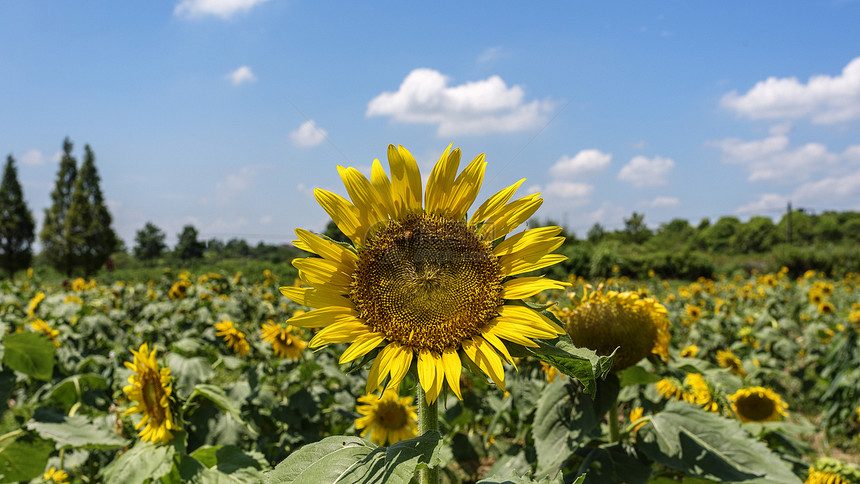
424 282
388 419
831 471
758 404
284 343
728 360
234 338
605 320
150 388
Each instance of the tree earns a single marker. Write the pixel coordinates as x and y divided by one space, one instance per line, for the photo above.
188 247
88 221
17 228
635 230
719 237
756 236
56 245
333 232
596 233
149 242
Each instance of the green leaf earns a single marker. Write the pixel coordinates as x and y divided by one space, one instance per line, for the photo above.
636 375
217 396
324 461
30 353
23 458
78 432
615 463
142 462
188 372
69 390
564 420
702 444
403 458
232 462
7 384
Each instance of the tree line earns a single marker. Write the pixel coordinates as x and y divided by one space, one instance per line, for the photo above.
76 233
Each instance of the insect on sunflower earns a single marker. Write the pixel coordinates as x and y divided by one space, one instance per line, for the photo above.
422 282
150 388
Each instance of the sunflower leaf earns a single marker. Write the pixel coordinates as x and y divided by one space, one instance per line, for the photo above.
76 431
328 460
30 353
141 463
403 458
217 396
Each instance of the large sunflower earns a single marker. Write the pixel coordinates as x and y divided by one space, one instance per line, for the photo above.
424 283
150 388
758 404
388 419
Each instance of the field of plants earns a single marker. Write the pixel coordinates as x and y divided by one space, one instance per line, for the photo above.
196 378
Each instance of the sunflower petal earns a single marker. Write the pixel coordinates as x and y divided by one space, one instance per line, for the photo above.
383 186
362 345
405 180
532 321
342 212
510 217
315 297
438 192
453 367
526 239
523 287
323 317
494 203
401 359
364 197
511 266
344 331
498 345
428 375
466 187
327 249
318 271
480 352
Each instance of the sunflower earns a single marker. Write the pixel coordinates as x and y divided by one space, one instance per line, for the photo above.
150 388
831 471
727 359
425 284
604 321
635 415
284 343
758 404
826 307
41 326
34 303
690 351
694 312
178 289
694 389
388 418
234 338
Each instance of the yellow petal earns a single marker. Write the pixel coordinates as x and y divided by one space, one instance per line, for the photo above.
315 298
525 239
498 345
511 266
405 180
363 345
427 375
494 203
510 217
453 367
363 196
480 352
466 187
441 180
529 318
344 331
401 359
373 379
523 287
533 253
318 271
328 249
342 212
323 317
383 186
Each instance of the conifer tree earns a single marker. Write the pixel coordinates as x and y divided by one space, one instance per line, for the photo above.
56 244
17 228
88 222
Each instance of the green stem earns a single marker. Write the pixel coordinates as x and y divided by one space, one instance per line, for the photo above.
428 421
613 422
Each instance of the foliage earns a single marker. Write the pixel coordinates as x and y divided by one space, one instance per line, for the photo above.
54 236
88 221
187 246
17 227
149 242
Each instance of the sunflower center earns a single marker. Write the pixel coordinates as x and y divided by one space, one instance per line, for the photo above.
152 392
756 407
426 282
391 415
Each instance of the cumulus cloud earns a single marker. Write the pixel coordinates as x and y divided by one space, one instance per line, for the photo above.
32 157
308 135
241 75
219 8
569 190
643 172
660 202
766 203
772 159
584 162
823 99
473 108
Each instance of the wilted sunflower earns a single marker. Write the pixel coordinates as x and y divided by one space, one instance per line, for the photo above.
605 321
388 418
284 343
234 338
758 404
831 471
150 388
424 283
727 359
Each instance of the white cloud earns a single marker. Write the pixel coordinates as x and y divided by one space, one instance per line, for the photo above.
823 99
570 190
308 135
490 55
772 159
241 76
832 192
660 202
642 171
586 161
32 157
219 8
473 108
767 203
233 184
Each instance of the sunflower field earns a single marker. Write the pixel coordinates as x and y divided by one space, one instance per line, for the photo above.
196 378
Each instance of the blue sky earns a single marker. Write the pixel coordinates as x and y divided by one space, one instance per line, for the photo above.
225 114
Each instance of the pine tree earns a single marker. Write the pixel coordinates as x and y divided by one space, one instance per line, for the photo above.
149 242
88 223
17 228
56 244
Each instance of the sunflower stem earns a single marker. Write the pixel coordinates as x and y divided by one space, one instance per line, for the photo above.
428 421
613 422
